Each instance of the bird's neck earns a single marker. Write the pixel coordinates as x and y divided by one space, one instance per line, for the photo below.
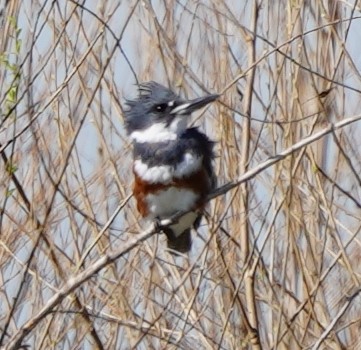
161 131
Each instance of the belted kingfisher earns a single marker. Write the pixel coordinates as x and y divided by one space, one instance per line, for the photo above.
172 163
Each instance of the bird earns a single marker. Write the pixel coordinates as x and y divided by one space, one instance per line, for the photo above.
172 163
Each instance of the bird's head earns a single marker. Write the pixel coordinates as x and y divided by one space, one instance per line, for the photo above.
158 114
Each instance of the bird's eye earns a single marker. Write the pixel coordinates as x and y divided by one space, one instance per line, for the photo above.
161 107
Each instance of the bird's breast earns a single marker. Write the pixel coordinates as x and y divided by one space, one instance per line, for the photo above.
163 199
172 176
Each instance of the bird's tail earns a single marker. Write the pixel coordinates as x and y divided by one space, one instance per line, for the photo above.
181 243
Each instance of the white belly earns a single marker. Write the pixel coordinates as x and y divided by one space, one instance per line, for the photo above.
184 223
170 201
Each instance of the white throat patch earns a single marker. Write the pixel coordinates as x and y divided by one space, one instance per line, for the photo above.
160 132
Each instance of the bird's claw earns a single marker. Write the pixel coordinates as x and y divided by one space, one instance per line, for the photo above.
157 224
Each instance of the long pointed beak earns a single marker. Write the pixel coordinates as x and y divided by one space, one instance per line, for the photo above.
187 107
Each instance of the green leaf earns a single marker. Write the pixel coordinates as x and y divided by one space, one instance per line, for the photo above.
18 45
11 168
4 59
12 21
12 94
9 192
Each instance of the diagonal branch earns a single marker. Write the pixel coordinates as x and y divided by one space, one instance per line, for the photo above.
335 319
282 155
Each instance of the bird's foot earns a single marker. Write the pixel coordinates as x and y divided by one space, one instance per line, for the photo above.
157 224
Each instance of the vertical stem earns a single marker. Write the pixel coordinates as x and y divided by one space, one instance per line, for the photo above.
244 228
